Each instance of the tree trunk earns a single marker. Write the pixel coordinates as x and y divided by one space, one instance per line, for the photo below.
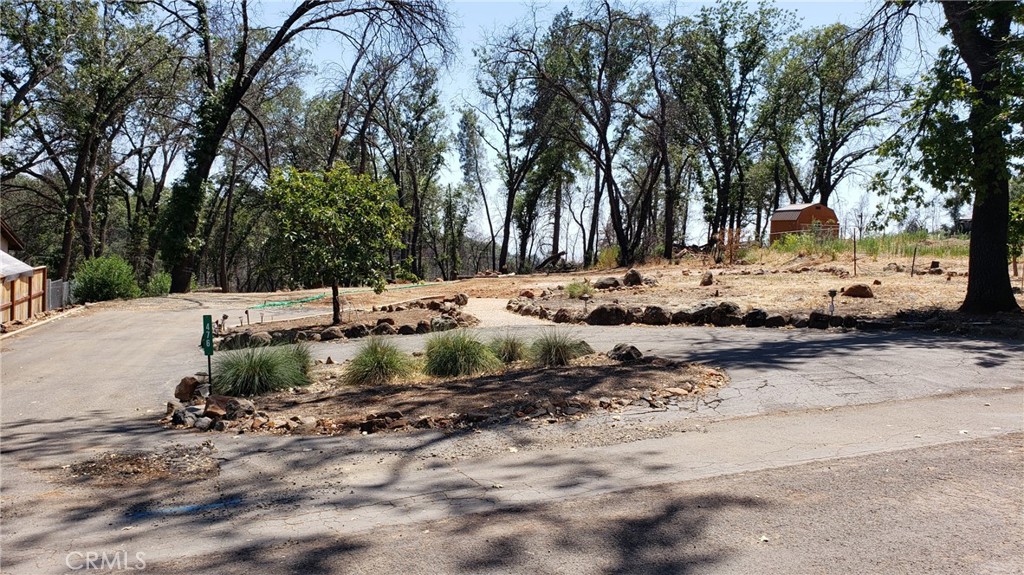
335 304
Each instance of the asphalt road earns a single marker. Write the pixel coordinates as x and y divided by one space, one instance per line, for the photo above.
827 453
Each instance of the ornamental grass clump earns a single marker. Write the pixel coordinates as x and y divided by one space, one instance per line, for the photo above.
378 362
508 348
457 353
557 348
259 370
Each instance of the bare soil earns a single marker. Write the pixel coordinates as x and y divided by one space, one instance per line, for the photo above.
128 468
520 394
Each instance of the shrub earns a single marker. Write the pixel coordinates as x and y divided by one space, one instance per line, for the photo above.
158 285
557 348
454 353
378 362
608 258
577 289
105 278
508 348
258 370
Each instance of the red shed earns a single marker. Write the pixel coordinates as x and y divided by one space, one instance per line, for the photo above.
796 218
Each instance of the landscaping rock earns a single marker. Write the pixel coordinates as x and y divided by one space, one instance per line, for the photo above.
217 406
655 315
874 325
562 316
607 283
632 278
858 290
936 271
682 316
775 321
798 320
461 299
755 318
818 320
386 320
895 267
526 293
443 323
423 326
707 279
406 330
607 314
186 417
877 282
186 388
384 329
634 314
725 314
684 389
357 330
850 321
238 407
307 336
625 352
259 338
203 423
332 333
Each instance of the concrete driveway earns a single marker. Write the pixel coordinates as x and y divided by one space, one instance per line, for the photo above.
824 448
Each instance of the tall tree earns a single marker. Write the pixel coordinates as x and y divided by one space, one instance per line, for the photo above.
475 171
418 24
965 128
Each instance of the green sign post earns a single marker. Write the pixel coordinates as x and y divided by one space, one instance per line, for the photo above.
208 346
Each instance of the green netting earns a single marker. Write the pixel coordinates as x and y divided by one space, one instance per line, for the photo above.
288 303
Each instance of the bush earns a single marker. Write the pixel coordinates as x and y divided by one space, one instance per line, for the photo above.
508 348
377 363
158 285
557 348
577 289
455 353
608 258
105 278
258 370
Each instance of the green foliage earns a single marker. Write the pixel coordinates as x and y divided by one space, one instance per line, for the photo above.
259 370
378 362
558 348
892 245
158 285
576 289
608 257
508 348
455 353
105 278
1016 230
340 225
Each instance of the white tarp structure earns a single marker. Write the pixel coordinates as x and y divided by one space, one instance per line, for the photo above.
11 268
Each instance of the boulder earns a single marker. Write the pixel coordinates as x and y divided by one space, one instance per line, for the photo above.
387 320
434 305
357 330
307 336
755 318
526 293
186 417
818 320
798 320
682 316
895 267
632 278
203 423
217 406
707 279
607 314
461 299
775 321
186 388
858 290
238 407
655 315
634 314
332 333
423 326
607 283
562 316
725 314
443 323
259 338
384 329
406 330
850 321
625 352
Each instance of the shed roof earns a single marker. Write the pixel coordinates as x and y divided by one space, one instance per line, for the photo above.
14 243
792 212
11 268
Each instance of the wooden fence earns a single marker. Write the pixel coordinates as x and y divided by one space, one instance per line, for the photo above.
24 297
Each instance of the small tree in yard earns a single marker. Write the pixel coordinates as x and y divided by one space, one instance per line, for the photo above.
340 225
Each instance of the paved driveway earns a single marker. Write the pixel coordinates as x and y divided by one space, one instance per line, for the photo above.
97 381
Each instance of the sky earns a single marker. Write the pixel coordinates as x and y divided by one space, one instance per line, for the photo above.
476 20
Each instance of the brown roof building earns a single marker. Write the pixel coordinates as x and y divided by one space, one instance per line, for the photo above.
797 218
